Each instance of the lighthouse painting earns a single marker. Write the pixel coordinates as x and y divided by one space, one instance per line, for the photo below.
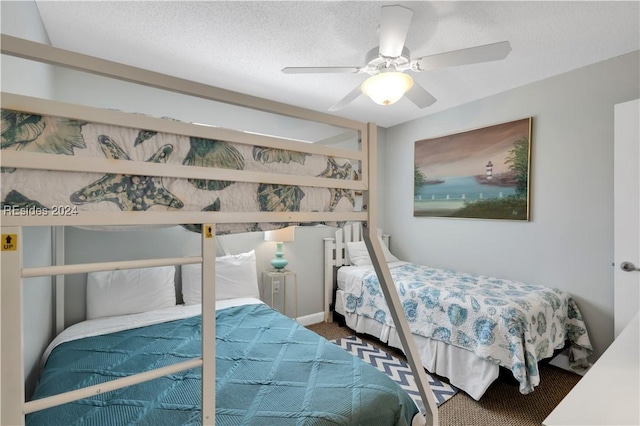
480 174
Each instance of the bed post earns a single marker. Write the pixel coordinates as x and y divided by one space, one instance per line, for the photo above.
208 324
58 280
329 246
11 359
370 236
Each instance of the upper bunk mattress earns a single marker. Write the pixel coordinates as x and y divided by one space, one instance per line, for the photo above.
71 192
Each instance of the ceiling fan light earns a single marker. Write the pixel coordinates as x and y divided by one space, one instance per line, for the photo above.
387 88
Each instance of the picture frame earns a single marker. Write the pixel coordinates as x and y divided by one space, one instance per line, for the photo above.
480 174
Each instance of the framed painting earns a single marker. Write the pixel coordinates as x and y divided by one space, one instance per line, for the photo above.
481 174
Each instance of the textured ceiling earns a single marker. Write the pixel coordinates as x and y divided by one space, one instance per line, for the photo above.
243 46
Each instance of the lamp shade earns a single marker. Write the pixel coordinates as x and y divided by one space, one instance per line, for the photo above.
280 235
387 88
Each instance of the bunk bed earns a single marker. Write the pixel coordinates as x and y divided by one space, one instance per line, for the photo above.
465 326
72 165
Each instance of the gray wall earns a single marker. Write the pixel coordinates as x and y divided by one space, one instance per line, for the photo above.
21 19
569 241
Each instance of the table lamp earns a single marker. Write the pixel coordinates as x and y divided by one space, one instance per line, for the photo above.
280 236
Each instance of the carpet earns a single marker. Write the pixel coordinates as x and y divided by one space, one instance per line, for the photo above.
397 369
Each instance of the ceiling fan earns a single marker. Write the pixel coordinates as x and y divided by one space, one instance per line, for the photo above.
387 63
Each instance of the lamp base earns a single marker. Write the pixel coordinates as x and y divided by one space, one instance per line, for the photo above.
279 262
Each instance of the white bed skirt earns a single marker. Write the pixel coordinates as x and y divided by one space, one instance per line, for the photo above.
464 369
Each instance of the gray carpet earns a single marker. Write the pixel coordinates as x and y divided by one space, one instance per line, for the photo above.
501 405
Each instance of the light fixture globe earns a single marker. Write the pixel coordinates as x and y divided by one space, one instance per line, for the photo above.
388 87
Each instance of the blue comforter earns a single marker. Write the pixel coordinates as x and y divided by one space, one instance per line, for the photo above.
269 371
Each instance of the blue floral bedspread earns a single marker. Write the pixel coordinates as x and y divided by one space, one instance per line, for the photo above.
509 323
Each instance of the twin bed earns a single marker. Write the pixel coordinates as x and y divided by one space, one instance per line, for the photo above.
465 326
221 359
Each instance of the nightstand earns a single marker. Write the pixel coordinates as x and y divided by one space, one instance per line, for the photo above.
282 279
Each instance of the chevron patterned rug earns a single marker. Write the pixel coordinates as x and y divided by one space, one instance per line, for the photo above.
397 369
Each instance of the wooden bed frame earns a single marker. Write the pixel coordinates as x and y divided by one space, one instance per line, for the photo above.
13 406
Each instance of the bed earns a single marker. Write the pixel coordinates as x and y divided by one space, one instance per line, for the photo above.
270 370
73 165
465 326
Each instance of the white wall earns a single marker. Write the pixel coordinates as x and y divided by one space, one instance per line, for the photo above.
21 19
569 241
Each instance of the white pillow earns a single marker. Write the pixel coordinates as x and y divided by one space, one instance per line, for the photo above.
359 256
130 291
236 276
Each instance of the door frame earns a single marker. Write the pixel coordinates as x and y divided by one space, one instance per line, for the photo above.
626 211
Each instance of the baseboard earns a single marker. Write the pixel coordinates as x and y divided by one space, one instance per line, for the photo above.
311 319
562 361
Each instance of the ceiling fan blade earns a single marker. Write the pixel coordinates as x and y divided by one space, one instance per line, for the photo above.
419 96
471 55
394 26
320 70
347 99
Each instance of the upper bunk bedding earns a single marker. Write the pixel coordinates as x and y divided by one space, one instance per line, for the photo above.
32 192
269 370
507 323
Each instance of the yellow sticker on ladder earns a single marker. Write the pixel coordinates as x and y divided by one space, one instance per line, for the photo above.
208 231
9 242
